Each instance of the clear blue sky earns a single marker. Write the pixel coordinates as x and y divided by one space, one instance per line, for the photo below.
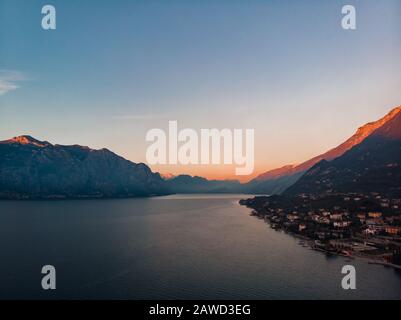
114 69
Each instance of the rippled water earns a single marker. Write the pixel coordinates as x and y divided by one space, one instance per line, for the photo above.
185 247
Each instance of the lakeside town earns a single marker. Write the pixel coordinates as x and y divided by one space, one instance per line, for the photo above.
354 225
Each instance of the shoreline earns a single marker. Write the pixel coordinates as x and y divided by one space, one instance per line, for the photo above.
311 244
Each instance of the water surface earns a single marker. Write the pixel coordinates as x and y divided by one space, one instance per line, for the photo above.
175 247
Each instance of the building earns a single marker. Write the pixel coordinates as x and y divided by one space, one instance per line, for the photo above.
393 230
302 227
292 217
341 224
369 232
361 217
336 216
375 215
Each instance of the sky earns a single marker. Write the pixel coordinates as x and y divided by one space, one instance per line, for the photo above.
112 70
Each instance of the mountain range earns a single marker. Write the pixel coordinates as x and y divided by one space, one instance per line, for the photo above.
189 184
278 180
373 165
370 160
33 169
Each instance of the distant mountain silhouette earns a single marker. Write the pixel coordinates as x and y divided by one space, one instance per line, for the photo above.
35 169
374 165
167 176
189 184
278 180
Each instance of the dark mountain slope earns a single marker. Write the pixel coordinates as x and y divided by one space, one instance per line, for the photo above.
30 168
371 166
276 181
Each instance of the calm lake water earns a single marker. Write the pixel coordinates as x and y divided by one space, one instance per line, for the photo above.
175 247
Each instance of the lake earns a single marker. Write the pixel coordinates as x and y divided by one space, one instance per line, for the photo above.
173 247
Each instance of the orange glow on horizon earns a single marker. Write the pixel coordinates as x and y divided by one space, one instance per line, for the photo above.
210 172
